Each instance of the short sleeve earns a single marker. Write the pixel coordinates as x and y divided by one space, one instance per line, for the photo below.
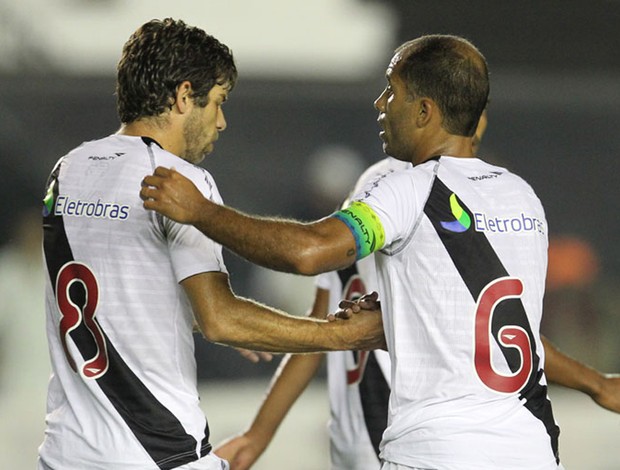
191 252
394 201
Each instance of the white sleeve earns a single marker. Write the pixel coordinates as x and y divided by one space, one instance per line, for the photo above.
191 252
325 280
394 200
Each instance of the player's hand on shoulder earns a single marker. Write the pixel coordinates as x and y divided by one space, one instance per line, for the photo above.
172 194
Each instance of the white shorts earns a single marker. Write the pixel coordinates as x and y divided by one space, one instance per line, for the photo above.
394 466
208 462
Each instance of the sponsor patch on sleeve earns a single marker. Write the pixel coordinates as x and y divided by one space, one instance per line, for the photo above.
365 227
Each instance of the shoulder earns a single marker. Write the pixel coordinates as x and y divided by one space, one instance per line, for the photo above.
203 180
379 170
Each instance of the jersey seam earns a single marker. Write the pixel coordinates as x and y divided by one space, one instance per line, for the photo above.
156 217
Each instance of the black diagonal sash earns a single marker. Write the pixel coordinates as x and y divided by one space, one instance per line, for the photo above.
155 427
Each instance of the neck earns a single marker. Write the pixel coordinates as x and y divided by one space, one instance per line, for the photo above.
450 145
158 131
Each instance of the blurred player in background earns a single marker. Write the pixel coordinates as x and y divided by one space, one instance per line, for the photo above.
122 281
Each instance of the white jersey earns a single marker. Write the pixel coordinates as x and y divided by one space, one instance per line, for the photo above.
461 281
358 381
123 388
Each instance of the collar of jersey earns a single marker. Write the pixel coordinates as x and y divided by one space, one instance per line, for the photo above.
149 140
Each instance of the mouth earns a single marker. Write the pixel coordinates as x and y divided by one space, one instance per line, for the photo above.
380 122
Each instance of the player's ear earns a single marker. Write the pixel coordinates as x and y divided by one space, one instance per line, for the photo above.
183 98
425 111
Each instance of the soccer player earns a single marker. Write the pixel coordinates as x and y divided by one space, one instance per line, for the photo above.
461 254
358 381
122 281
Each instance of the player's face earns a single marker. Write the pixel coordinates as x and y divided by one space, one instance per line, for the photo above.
203 125
396 112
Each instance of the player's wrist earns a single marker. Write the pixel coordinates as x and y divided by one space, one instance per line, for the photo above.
200 214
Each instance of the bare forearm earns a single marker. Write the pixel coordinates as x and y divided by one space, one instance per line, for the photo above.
290 380
565 371
253 326
225 318
283 245
279 244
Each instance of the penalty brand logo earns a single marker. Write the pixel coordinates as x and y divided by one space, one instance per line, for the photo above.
462 222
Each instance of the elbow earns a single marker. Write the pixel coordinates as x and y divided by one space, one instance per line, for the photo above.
215 332
308 262
321 248
312 253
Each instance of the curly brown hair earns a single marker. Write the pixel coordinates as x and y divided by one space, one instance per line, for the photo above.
158 57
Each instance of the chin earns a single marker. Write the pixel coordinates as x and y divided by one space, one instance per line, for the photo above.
386 150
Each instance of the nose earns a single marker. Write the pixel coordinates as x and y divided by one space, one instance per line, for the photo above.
221 120
380 102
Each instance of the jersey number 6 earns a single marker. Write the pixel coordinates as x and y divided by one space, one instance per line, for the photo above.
513 336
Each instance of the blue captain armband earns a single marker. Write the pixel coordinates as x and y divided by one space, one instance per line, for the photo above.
365 227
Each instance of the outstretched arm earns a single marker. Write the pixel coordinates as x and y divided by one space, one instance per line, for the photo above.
563 370
225 318
279 244
290 380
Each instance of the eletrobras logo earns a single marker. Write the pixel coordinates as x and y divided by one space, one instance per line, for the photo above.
98 209
491 224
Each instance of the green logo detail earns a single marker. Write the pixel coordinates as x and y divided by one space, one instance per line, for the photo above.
462 222
48 201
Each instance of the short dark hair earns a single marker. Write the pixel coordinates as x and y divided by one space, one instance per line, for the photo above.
158 57
452 72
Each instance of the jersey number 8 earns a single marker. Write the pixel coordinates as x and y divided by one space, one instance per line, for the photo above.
78 308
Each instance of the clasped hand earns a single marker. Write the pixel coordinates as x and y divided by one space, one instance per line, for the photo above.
348 308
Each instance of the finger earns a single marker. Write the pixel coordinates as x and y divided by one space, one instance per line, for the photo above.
151 204
373 296
369 304
370 301
164 172
343 314
151 195
153 181
146 193
350 306
252 357
249 355
265 356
